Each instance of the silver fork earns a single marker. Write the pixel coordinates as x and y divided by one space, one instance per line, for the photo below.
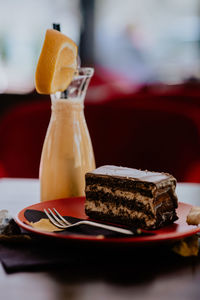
56 219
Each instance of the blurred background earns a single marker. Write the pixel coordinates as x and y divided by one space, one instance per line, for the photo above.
145 41
144 94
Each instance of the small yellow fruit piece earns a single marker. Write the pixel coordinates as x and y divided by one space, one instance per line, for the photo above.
193 218
57 63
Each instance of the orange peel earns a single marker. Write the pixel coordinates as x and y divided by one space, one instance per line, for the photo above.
57 63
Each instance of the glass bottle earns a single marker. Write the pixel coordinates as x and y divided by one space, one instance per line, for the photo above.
67 151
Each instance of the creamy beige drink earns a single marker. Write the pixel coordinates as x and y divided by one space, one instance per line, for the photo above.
67 152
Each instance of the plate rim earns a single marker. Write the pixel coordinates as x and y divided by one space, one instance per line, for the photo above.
87 238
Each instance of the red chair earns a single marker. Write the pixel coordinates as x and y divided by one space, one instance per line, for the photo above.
143 137
141 133
22 132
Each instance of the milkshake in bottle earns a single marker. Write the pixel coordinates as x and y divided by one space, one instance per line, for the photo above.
67 151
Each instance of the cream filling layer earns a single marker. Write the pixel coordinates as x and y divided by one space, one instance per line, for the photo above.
124 194
120 211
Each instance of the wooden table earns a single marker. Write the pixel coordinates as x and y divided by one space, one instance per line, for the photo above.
163 280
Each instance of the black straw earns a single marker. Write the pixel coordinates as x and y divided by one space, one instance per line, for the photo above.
56 26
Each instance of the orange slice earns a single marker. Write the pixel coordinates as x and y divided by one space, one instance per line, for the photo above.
57 63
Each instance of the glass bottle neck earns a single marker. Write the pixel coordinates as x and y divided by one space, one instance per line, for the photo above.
77 89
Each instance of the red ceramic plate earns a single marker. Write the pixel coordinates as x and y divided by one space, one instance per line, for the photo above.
74 207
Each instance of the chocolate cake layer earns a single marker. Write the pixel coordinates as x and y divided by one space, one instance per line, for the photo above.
130 197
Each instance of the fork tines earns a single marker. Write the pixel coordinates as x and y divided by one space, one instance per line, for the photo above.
56 218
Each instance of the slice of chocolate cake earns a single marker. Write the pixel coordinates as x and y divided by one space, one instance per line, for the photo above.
131 197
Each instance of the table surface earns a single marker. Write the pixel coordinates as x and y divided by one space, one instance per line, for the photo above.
178 280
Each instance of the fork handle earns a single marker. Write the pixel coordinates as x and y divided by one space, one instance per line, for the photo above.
113 228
